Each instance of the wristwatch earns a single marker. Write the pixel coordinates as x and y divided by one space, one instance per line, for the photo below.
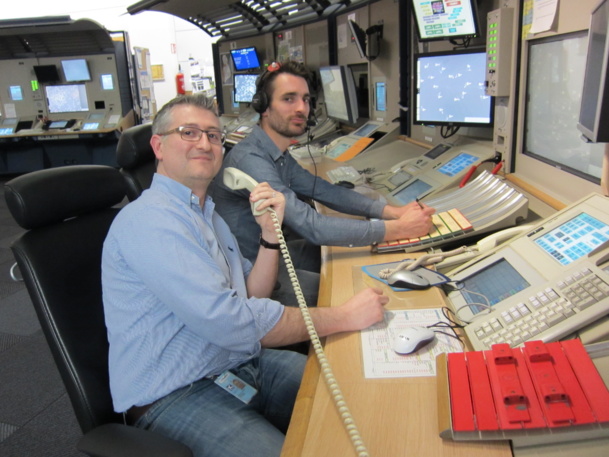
265 244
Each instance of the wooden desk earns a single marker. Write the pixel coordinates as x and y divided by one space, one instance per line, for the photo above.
396 417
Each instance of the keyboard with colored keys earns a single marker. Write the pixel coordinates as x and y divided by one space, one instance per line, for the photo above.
446 226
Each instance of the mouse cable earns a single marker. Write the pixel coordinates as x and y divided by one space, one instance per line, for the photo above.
445 325
326 369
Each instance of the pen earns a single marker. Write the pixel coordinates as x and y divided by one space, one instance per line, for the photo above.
417 200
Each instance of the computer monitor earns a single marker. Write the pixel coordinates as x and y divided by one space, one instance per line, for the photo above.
594 108
245 87
440 20
552 107
76 70
450 89
245 58
67 98
340 94
46 73
15 93
359 36
107 82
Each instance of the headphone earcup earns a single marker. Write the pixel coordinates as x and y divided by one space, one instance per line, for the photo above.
260 102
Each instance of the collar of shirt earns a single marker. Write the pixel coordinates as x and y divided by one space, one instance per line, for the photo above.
266 144
183 193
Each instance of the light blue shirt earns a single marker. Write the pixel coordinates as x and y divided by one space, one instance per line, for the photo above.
258 156
175 297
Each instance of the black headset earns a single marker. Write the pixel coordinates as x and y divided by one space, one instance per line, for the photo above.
260 101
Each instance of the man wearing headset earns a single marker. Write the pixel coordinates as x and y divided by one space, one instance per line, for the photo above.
283 99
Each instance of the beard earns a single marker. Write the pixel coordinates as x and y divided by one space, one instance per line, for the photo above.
285 127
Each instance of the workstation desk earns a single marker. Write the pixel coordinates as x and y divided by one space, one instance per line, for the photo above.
396 416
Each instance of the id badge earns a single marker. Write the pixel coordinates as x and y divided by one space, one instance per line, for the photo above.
236 386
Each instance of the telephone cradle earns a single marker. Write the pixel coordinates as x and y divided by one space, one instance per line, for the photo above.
537 394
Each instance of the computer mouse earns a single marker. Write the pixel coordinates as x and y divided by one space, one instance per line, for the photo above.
412 339
407 279
347 184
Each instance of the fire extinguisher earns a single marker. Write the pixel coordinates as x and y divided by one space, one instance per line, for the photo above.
180 87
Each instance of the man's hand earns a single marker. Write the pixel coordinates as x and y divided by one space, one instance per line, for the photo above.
266 197
413 220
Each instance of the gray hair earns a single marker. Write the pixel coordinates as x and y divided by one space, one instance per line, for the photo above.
162 120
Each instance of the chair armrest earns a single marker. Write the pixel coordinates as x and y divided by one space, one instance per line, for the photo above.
118 440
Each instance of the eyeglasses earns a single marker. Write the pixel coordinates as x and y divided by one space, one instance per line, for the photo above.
194 134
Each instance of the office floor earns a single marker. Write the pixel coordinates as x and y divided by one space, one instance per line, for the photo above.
36 417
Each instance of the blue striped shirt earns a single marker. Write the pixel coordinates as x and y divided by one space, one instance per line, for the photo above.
175 296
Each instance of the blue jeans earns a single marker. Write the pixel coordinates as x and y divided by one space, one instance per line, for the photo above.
214 423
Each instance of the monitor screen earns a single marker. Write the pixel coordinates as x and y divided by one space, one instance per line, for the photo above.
594 108
90 126
552 106
457 164
245 58
16 93
340 95
412 191
359 37
68 98
76 70
496 282
437 151
58 124
245 87
6 130
107 82
366 129
450 89
574 239
438 20
380 96
46 73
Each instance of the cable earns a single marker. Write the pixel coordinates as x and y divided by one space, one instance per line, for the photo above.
326 369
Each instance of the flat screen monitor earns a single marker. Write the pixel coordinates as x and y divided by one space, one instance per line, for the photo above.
340 94
552 107
439 20
380 96
450 89
245 87
594 108
245 58
107 82
15 93
457 164
68 98
90 126
6 130
359 37
58 124
76 70
412 191
46 73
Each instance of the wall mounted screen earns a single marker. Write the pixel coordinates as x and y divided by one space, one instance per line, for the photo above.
76 70
16 93
245 58
555 78
594 108
69 98
245 87
46 73
107 82
450 89
439 20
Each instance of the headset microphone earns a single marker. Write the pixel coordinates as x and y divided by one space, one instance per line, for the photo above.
311 123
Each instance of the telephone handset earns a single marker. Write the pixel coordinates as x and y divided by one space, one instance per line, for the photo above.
235 179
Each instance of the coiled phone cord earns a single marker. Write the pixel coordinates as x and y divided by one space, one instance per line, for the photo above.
326 369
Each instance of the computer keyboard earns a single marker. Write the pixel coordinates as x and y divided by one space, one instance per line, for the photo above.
346 173
553 311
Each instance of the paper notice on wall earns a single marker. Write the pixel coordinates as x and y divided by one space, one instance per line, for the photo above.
9 110
544 13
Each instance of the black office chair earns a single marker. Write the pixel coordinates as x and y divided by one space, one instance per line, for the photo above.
136 158
67 212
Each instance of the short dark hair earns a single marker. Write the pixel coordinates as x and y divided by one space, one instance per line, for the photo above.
163 118
265 82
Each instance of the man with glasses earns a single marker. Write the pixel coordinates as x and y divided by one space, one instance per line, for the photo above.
189 320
